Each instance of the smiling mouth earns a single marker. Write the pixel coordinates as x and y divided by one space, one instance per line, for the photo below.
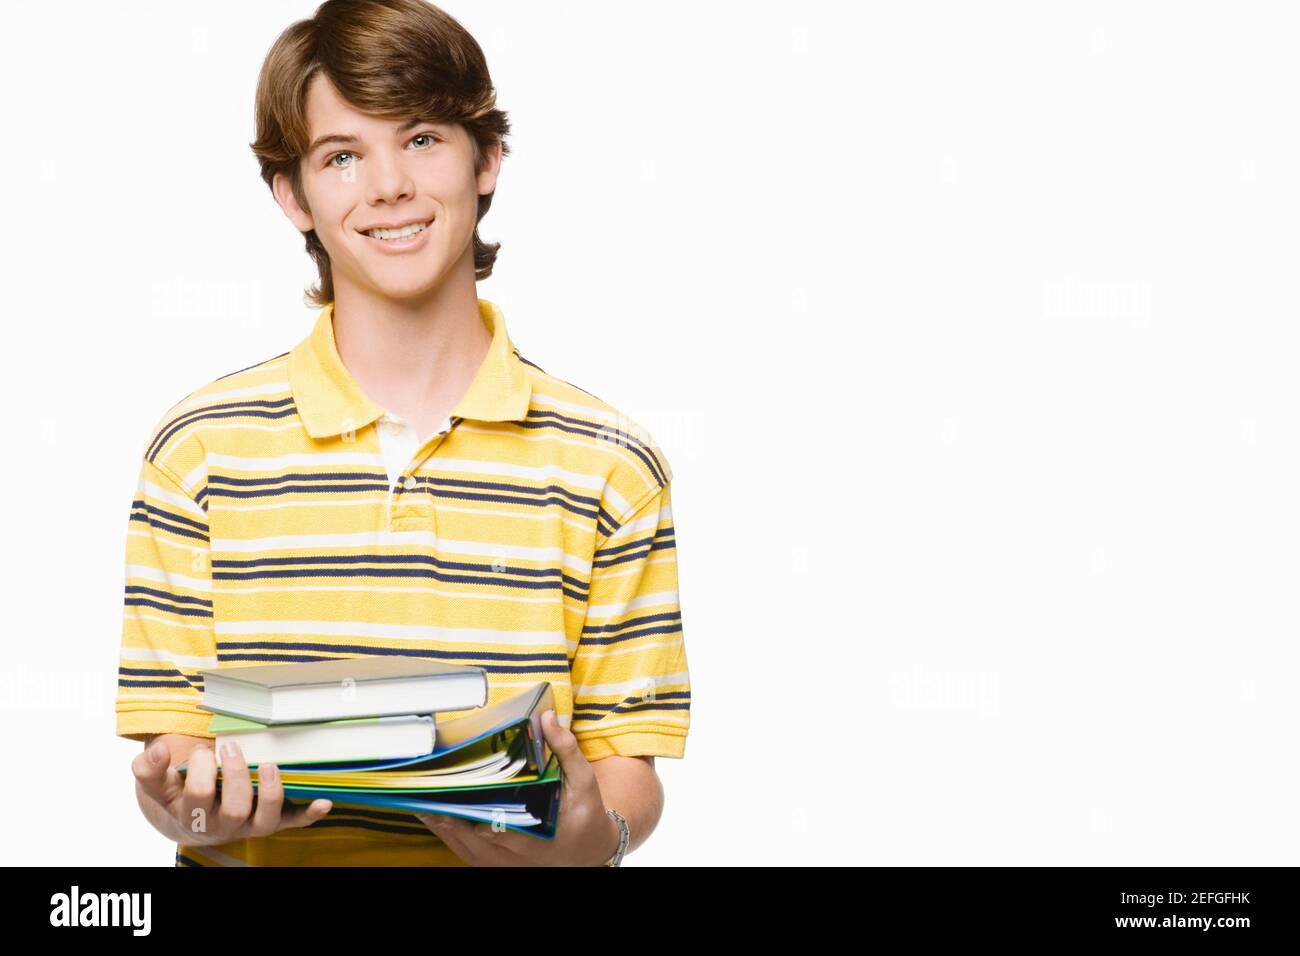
397 235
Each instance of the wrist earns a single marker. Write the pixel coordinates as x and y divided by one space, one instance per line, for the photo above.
610 843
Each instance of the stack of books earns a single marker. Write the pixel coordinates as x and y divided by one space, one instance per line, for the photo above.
366 731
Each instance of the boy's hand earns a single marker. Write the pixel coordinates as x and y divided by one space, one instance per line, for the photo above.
195 813
586 834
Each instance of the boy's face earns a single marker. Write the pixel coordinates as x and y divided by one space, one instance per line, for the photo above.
389 172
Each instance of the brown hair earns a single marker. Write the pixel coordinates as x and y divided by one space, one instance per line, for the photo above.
399 59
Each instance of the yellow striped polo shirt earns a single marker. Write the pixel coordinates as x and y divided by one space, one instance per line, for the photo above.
532 538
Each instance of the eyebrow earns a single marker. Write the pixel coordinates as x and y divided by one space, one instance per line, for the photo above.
350 140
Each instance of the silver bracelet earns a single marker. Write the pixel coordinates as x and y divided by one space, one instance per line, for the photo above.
624 837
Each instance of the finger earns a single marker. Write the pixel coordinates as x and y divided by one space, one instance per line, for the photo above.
295 816
516 844
291 815
576 768
236 788
469 845
153 772
200 790
270 801
490 847
438 823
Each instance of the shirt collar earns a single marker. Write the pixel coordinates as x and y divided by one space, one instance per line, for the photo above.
331 402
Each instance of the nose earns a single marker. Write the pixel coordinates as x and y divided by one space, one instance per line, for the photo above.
387 179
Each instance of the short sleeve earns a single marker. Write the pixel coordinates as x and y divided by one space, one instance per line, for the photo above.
631 690
167 624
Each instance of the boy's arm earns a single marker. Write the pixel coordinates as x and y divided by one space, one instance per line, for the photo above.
631 786
631 685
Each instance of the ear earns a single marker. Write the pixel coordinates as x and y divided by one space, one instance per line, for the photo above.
282 189
487 179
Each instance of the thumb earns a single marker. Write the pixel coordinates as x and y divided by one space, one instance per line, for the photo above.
573 762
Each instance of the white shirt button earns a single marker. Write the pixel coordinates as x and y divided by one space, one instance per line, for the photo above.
409 483
392 427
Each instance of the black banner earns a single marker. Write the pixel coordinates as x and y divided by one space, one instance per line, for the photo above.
1178 905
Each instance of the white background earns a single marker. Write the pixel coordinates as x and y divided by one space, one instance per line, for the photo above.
969 331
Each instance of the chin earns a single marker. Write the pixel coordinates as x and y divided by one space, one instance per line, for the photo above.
414 288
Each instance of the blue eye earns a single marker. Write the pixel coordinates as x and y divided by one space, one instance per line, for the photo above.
330 161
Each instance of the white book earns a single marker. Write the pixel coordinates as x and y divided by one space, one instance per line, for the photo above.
369 686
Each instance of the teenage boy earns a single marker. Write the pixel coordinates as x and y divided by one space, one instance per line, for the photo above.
401 481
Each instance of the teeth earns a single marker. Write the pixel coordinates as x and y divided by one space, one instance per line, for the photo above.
404 233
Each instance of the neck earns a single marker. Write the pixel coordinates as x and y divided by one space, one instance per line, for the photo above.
414 357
